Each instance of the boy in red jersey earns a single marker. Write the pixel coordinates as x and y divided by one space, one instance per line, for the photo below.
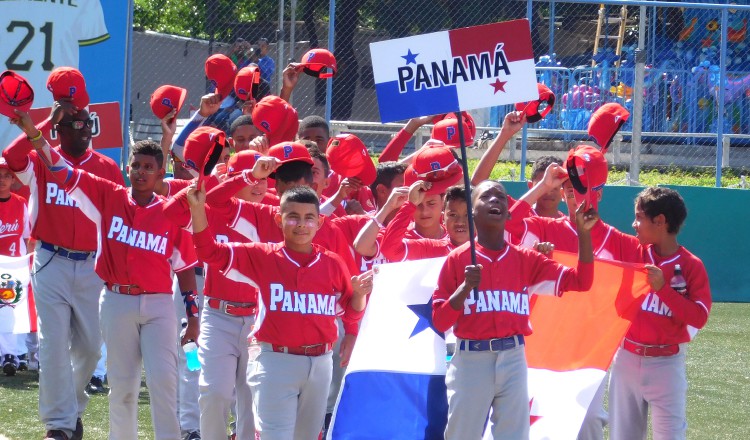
649 369
302 288
487 305
138 248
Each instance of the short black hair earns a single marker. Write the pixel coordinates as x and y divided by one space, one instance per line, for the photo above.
656 200
239 122
313 121
300 194
148 148
294 171
315 153
455 192
385 173
541 164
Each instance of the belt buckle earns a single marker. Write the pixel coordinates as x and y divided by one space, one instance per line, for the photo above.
492 349
223 307
309 347
128 290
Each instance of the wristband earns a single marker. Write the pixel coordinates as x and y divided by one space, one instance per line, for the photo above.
377 222
191 308
35 138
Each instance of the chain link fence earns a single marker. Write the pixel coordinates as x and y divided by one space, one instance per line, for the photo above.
586 53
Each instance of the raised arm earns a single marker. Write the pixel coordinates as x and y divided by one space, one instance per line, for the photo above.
513 122
393 150
366 242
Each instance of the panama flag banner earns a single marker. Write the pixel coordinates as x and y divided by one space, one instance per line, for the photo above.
394 387
460 69
17 309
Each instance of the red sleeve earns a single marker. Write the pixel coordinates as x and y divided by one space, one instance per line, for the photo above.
177 209
515 224
393 150
17 153
221 197
351 317
579 279
183 255
341 248
443 315
694 309
211 252
392 244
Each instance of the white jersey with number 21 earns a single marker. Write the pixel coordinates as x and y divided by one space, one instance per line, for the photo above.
37 36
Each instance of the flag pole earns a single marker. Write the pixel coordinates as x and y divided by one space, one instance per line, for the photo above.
467 186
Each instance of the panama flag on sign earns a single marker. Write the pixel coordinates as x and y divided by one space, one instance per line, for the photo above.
460 69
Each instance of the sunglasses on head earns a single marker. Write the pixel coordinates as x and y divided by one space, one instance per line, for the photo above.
78 125
434 175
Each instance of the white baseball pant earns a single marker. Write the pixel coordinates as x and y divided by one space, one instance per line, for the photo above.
596 417
480 380
289 394
67 304
141 328
338 371
638 383
223 353
187 381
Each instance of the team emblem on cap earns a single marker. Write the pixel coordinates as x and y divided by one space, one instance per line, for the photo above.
310 57
167 102
11 291
72 91
434 166
265 125
242 91
191 164
450 131
287 151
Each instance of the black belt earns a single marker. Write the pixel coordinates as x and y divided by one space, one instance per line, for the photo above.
199 271
65 253
498 344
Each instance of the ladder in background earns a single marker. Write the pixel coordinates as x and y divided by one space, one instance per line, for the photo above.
622 18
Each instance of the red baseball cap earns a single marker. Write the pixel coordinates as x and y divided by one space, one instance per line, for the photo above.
435 165
468 120
348 156
606 122
3 162
68 82
15 93
166 98
244 160
287 152
587 169
203 149
531 108
319 63
276 118
246 82
220 71
447 132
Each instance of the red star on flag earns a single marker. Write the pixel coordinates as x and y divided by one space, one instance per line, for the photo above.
499 85
532 418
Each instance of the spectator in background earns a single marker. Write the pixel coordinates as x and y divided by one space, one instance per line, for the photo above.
240 52
266 64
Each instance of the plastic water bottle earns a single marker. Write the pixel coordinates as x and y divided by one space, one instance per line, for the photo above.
191 351
678 282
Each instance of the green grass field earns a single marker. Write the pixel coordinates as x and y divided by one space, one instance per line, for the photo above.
718 399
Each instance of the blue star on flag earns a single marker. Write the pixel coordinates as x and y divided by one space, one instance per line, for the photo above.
411 58
424 313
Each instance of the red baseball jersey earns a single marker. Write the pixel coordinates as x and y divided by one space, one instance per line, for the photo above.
609 243
176 185
14 226
350 226
501 306
300 294
396 247
666 316
257 222
54 216
216 284
139 245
